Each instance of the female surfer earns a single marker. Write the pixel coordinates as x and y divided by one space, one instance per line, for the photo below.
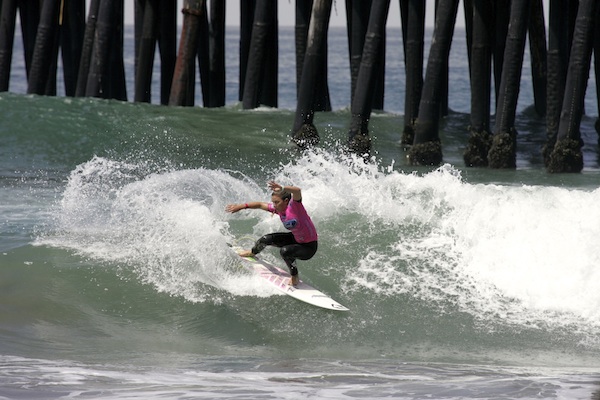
300 242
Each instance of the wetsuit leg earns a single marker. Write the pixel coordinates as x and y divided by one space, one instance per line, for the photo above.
291 252
278 239
290 249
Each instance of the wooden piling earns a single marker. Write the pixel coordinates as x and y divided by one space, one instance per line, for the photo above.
427 149
105 78
87 48
92 60
247 8
566 155
503 152
203 55
72 26
303 12
270 83
188 45
138 26
304 132
100 50
558 59
480 138
357 16
413 32
256 89
322 100
359 141
167 45
217 54
8 15
45 52
468 11
501 21
538 53
445 79
145 54
29 14
597 68
117 87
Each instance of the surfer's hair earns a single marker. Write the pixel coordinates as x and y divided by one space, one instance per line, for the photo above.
283 194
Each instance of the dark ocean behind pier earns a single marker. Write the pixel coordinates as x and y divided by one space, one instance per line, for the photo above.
116 280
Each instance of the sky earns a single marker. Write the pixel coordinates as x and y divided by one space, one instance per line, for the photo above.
286 13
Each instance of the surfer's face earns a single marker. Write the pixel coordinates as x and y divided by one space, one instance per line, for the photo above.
279 203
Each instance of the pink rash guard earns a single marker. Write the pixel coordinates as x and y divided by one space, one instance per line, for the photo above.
297 221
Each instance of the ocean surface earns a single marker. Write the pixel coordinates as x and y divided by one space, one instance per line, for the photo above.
117 282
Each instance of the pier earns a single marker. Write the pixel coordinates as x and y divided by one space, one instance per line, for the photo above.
88 36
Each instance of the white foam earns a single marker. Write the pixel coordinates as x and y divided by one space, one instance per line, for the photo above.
168 226
516 253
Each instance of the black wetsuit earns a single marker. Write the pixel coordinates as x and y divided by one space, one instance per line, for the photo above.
290 250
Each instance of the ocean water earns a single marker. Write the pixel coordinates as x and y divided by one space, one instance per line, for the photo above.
116 279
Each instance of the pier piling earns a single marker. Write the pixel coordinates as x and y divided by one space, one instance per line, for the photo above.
216 58
72 22
167 46
359 141
322 101
559 44
481 71
426 148
183 75
566 155
413 33
561 58
41 80
259 77
503 151
538 52
146 46
87 48
304 133
8 15
597 67
100 50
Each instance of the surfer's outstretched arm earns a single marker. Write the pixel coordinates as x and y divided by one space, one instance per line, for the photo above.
233 208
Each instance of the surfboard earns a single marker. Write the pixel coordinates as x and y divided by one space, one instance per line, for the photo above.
279 279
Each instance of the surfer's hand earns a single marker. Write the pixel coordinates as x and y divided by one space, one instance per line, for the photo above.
274 186
233 208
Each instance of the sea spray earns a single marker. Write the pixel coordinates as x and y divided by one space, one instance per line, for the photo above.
167 226
410 242
524 255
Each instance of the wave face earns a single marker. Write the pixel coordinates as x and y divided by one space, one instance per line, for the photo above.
116 237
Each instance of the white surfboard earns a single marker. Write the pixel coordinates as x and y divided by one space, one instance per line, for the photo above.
279 279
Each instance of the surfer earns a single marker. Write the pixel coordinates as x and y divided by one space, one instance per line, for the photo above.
300 242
